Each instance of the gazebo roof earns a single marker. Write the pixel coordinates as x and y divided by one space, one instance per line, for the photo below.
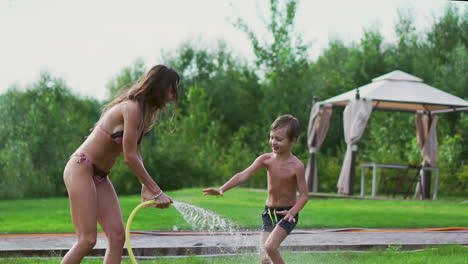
401 91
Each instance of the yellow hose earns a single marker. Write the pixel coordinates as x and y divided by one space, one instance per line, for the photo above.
127 230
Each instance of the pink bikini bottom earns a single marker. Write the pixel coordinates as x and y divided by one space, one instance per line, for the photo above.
99 175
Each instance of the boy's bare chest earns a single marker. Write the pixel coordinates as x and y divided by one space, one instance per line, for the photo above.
281 171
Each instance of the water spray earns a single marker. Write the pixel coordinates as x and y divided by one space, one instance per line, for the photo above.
198 218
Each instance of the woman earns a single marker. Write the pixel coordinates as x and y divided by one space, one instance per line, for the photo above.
119 129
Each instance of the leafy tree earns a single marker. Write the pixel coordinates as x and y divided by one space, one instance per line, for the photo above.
42 128
448 32
371 59
402 56
231 86
189 155
284 62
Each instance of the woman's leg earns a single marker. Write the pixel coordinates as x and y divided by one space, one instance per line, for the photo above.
110 218
273 243
83 208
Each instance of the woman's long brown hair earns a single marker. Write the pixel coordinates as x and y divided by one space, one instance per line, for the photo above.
151 93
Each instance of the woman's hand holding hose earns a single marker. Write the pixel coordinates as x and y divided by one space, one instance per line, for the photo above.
161 199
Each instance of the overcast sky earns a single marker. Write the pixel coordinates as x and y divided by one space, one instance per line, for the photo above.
88 42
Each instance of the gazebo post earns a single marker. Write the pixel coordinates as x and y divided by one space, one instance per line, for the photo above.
426 182
310 182
426 174
352 172
311 175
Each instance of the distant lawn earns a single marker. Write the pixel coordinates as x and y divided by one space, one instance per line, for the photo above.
443 254
243 206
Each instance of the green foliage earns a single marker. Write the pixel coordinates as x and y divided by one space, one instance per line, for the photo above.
185 149
240 154
40 129
329 168
448 32
401 56
453 73
226 106
462 176
391 149
286 47
449 164
232 87
284 63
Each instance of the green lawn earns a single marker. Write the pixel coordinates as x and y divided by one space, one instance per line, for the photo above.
440 255
243 206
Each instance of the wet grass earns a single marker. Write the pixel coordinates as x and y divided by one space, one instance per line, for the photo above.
440 255
243 206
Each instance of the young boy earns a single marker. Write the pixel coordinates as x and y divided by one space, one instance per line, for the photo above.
285 176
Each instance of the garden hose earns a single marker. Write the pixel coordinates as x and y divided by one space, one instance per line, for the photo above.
127 229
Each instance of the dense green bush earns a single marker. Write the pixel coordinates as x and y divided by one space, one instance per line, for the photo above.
40 129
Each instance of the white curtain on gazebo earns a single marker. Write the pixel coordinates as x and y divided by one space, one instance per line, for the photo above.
426 127
317 131
426 133
355 117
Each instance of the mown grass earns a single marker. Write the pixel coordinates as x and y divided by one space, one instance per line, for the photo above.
440 255
243 206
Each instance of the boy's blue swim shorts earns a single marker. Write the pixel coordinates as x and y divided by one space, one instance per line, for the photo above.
271 219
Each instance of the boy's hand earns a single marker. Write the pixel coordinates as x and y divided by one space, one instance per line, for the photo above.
213 191
288 216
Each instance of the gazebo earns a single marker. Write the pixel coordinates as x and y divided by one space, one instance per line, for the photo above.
395 91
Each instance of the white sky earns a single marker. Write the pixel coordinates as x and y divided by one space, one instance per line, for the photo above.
88 42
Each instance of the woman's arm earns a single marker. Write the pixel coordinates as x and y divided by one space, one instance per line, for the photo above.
132 116
240 177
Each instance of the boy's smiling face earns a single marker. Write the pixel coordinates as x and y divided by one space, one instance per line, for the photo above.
279 141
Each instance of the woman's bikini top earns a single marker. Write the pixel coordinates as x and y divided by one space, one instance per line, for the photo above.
117 137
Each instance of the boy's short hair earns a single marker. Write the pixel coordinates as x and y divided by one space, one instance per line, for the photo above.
290 122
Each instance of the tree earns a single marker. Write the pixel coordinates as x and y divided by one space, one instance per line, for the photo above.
41 127
232 87
284 62
448 32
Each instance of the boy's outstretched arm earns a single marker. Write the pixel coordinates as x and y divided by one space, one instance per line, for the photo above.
240 177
